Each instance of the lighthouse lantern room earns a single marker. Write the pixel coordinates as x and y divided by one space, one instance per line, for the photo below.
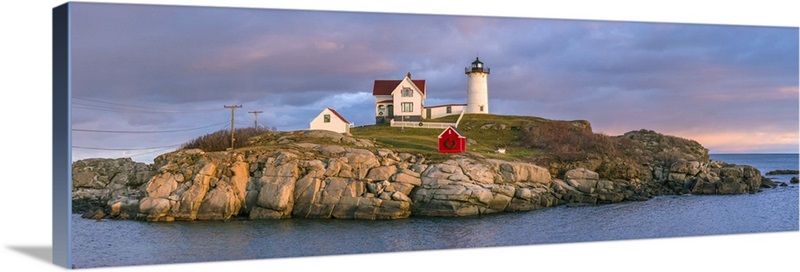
477 87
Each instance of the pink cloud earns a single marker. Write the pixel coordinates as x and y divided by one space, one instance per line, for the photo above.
746 141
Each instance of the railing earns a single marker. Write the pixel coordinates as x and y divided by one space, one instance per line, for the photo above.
468 70
459 118
419 124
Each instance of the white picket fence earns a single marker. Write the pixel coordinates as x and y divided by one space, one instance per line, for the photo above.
436 125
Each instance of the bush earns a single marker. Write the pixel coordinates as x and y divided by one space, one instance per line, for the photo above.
568 145
566 138
221 140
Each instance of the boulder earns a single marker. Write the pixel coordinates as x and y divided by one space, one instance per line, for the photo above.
404 177
324 134
360 161
510 172
221 203
155 209
123 207
478 172
581 173
583 180
313 168
263 213
400 196
381 172
768 183
88 179
241 176
346 207
96 215
276 196
161 185
330 150
306 193
189 202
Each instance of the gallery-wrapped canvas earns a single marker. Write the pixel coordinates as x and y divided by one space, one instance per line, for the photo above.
203 134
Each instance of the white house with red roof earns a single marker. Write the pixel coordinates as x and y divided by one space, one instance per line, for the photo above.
404 100
331 120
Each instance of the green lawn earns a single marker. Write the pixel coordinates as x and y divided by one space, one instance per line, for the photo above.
486 132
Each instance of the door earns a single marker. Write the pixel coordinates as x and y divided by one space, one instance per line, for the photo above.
390 111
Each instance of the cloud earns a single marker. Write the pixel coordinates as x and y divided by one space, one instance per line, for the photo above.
673 78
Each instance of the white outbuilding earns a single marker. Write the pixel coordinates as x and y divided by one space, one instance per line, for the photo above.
331 120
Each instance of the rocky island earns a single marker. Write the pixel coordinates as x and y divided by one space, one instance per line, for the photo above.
322 174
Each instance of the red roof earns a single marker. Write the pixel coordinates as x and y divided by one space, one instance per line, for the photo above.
385 87
386 101
458 133
337 115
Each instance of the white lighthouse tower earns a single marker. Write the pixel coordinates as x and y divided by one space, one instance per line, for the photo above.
477 87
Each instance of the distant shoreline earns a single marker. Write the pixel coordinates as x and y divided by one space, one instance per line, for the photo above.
797 154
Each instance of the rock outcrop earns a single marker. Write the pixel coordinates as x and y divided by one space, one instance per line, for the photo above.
109 184
307 180
716 177
464 186
322 180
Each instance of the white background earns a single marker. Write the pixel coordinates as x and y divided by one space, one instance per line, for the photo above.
26 154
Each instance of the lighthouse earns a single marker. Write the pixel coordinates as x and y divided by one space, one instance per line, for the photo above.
477 87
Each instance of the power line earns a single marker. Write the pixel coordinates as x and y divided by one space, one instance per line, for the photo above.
149 152
225 124
131 108
136 106
113 109
123 149
150 131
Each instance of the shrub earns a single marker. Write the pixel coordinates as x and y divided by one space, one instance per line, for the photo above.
569 145
565 138
221 140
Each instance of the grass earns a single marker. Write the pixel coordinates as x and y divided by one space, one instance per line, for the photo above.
410 140
558 145
485 133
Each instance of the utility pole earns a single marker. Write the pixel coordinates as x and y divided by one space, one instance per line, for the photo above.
233 109
256 115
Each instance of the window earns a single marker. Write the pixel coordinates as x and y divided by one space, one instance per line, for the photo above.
481 108
407 92
449 109
408 106
381 109
326 118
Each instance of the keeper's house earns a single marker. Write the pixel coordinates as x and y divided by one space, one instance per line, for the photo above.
404 100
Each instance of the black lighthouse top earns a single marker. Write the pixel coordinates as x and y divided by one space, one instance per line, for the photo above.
477 66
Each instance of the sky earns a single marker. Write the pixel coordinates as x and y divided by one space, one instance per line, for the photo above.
147 78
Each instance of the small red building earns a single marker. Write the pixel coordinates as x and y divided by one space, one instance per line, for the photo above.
451 141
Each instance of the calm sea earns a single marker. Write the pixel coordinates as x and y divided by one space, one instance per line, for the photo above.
117 243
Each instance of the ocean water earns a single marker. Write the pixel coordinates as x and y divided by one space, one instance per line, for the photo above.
118 243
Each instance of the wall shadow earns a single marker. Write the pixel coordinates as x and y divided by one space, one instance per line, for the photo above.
42 253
